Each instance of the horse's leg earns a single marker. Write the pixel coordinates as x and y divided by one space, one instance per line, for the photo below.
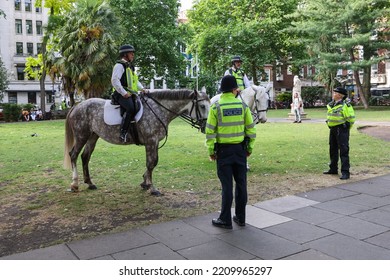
151 162
74 153
86 156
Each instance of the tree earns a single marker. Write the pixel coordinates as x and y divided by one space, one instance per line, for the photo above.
250 28
3 79
87 47
56 7
151 27
339 35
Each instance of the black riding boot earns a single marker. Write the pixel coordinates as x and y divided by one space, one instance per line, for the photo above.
125 127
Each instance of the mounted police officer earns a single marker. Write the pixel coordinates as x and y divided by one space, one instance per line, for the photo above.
340 119
230 136
238 73
126 85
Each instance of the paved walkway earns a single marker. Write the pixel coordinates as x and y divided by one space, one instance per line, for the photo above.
348 221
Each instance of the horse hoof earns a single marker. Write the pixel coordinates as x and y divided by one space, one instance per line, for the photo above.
145 186
92 187
156 193
73 189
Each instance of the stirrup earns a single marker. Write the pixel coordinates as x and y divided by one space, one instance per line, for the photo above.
123 137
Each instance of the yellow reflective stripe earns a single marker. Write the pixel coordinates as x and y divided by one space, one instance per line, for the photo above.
212 127
211 136
228 135
231 123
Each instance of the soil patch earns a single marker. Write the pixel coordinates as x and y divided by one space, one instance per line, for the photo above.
381 132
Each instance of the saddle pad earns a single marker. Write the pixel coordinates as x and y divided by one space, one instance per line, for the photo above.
112 113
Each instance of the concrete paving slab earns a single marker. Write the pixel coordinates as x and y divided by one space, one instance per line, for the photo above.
342 207
57 252
326 194
373 186
312 215
215 250
368 200
381 240
156 251
354 227
309 255
262 218
298 232
178 234
110 243
284 204
347 248
376 216
261 244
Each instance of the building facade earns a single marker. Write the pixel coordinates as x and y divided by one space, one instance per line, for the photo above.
21 34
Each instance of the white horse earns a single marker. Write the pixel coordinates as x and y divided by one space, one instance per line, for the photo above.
256 98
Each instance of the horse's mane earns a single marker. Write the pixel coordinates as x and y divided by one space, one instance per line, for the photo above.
172 94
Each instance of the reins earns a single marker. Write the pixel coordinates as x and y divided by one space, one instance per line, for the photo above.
184 117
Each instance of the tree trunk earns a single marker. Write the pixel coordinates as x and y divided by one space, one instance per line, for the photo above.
360 89
43 77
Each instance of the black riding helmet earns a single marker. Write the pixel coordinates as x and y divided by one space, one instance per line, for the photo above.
125 49
236 59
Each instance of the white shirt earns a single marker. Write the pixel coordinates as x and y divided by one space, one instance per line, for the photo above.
117 73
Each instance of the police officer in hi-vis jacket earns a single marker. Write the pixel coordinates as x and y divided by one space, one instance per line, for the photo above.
230 136
340 119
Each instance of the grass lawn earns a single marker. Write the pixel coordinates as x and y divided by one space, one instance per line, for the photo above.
36 207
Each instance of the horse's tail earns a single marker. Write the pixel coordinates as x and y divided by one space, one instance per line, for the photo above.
69 141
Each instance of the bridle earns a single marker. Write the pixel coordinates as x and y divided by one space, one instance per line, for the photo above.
256 111
199 123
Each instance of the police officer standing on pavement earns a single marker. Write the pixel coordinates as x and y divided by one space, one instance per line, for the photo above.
238 73
125 83
230 136
340 119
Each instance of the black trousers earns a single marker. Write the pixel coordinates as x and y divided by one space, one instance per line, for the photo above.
231 164
339 146
128 104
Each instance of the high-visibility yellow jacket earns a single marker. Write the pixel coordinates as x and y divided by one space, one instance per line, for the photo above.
339 113
239 75
229 122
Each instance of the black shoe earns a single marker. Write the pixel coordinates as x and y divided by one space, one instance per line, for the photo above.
330 172
295 121
299 121
344 177
238 222
219 223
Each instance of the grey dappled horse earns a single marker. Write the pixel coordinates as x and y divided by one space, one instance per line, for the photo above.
256 98
85 124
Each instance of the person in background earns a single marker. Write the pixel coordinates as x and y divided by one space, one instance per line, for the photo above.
296 106
340 120
230 137
238 73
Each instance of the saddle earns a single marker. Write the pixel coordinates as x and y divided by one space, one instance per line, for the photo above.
113 114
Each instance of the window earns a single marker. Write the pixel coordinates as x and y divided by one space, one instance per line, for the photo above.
27 5
38 10
29 28
19 48
32 97
38 25
50 97
39 48
18 26
17 5
12 98
30 48
20 71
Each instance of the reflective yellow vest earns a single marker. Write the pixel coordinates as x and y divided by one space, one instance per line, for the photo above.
129 79
239 75
340 113
229 122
